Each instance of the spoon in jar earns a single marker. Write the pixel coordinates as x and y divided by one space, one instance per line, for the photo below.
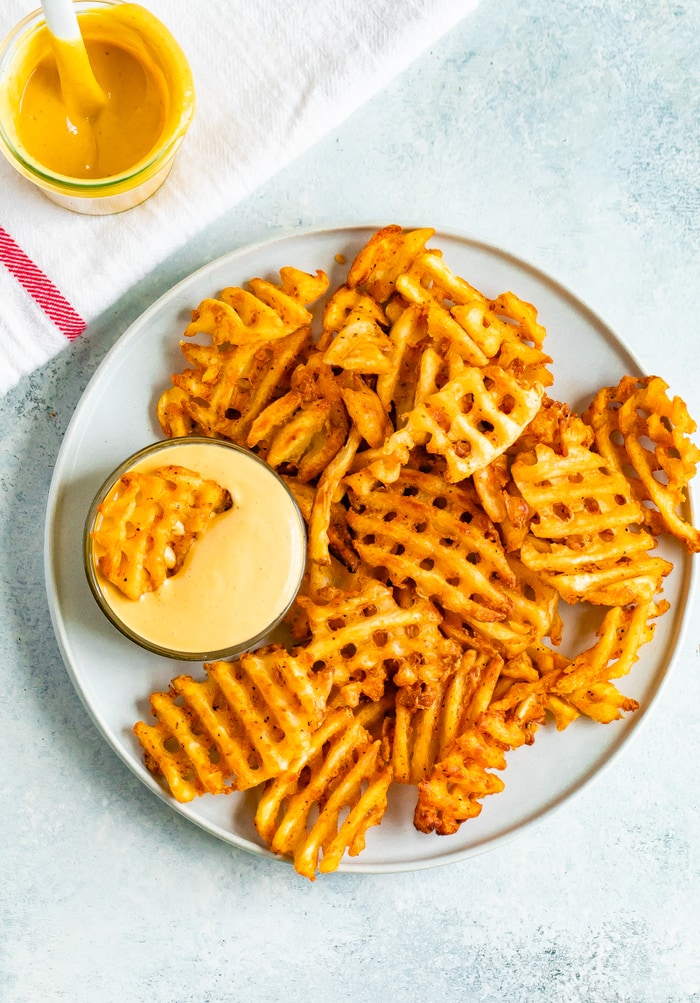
83 97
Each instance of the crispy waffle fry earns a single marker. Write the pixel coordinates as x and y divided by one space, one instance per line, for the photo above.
435 535
638 425
423 734
396 389
340 543
342 768
384 258
366 411
148 523
458 782
367 639
226 389
474 418
360 346
534 615
341 305
585 528
263 312
319 555
240 726
300 433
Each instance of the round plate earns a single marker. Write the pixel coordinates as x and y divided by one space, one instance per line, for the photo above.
116 416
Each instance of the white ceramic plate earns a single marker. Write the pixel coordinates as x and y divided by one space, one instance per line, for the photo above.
116 416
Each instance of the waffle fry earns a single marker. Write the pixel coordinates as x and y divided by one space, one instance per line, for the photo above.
237 728
458 782
367 640
473 419
300 433
533 616
388 253
340 544
226 389
360 346
342 768
343 303
452 506
321 514
148 524
423 734
586 535
655 432
264 312
422 529
366 411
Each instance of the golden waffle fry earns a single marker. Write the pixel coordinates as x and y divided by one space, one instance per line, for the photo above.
621 634
507 332
367 639
655 431
366 411
585 528
428 281
360 346
423 734
318 550
602 702
264 312
502 502
341 305
396 389
434 534
342 768
227 388
237 728
148 523
474 418
388 253
534 615
300 433
557 426
504 331
634 582
340 543
453 791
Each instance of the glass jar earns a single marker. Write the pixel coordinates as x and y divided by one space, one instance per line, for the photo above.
115 193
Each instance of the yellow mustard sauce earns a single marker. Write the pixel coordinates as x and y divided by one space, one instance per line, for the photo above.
139 68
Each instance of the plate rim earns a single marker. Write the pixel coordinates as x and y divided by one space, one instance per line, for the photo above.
687 575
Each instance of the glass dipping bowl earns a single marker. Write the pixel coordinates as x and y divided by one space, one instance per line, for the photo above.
264 529
98 196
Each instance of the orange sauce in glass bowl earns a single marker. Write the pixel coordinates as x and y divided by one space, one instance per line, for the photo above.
239 578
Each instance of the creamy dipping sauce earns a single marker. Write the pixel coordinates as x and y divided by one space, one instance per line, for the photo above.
239 577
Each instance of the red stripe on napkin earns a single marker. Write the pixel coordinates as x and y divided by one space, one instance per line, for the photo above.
40 288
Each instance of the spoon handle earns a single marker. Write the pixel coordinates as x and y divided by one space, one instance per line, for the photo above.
82 93
61 19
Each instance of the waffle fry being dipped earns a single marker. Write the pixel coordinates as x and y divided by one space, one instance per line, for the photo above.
452 507
148 523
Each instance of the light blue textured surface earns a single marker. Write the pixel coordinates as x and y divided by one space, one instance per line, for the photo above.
569 133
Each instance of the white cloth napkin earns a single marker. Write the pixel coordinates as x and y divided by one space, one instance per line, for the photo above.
271 79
